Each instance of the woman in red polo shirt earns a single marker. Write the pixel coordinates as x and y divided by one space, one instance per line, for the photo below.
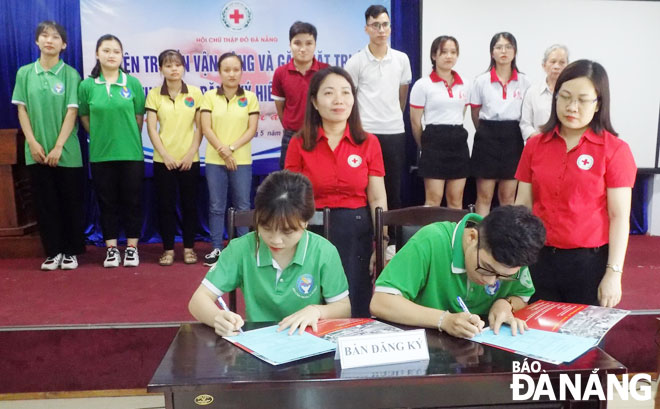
345 166
577 176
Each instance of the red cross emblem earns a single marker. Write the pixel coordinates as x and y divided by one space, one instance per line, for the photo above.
236 16
585 162
354 161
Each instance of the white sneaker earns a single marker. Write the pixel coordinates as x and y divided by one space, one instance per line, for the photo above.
112 257
52 263
131 258
69 263
211 258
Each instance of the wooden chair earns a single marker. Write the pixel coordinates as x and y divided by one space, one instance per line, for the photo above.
244 218
407 221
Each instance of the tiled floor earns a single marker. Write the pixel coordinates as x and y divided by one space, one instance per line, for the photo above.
158 402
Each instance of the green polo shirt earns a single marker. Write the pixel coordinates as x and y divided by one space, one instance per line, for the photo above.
314 276
113 133
430 271
47 95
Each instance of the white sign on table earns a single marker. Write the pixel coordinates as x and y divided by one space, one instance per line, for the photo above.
381 349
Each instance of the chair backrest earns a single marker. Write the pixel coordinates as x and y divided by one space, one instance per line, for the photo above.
406 222
245 218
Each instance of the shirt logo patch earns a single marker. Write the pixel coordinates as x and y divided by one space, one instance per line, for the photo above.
517 94
242 102
58 88
125 92
525 278
354 161
189 101
492 289
585 162
305 285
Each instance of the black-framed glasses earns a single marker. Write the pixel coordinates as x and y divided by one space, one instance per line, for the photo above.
488 272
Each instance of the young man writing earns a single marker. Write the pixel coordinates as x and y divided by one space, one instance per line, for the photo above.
480 260
291 80
382 76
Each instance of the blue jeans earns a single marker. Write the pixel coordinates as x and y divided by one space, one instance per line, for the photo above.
219 179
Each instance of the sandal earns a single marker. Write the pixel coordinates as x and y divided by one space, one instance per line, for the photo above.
167 258
189 256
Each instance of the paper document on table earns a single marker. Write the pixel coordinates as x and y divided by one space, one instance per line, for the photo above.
553 347
279 347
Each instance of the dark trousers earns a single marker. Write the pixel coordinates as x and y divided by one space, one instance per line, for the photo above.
167 183
58 198
118 186
569 275
393 147
352 233
286 138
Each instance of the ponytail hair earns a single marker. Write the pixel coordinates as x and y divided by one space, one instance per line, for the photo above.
96 71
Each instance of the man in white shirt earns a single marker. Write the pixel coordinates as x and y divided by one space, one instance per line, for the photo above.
382 76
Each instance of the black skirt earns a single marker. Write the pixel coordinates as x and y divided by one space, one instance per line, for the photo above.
497 149
445 153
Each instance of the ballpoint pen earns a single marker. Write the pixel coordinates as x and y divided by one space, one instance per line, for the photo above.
224 307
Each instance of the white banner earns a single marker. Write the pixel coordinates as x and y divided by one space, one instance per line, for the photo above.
202 30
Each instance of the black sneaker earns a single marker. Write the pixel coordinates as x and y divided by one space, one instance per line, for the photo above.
211 258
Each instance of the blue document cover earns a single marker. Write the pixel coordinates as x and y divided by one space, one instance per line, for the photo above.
278 348
553 347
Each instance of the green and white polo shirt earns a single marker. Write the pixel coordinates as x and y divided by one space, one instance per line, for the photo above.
314 276
430 271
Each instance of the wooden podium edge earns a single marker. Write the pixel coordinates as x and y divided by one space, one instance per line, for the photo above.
19 231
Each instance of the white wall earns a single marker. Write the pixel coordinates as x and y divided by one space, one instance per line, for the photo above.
624 36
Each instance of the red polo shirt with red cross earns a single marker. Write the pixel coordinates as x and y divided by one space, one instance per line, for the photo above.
339 177
569 189
290 85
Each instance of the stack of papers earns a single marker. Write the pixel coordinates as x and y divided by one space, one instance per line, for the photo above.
278 348
553 347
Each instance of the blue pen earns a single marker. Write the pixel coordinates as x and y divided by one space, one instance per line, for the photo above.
224 307
462 304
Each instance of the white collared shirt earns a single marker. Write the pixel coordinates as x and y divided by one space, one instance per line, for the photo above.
499 102
442 104
378 83
536 109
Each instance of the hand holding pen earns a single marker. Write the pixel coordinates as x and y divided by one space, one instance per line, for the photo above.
227 323
465 324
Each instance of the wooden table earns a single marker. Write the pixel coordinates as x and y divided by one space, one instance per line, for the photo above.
201 370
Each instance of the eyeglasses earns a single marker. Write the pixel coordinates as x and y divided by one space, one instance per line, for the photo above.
583 103
378 26
507 47
488 272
